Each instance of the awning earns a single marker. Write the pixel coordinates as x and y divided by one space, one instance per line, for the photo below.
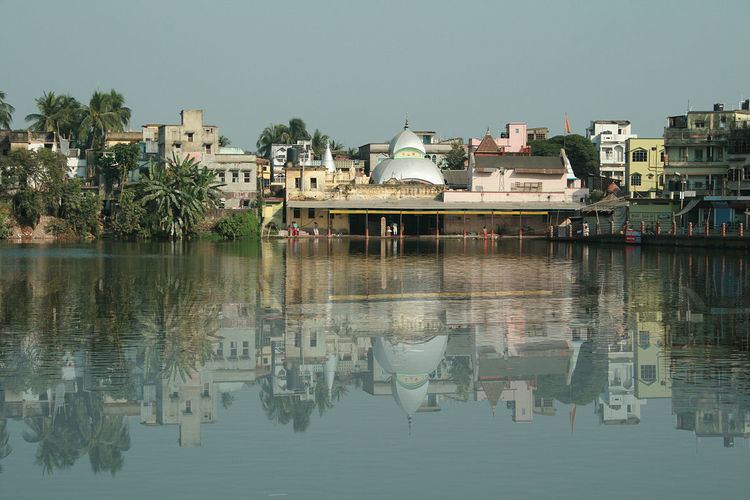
693 203
376 211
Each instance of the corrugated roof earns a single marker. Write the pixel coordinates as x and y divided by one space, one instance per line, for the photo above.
456 178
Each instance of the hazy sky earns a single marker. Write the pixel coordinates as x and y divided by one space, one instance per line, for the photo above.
354 68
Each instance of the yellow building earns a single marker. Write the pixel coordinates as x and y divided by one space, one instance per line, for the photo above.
644 165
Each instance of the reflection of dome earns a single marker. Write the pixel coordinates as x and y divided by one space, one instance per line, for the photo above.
410 363
410 358
409 391
407 162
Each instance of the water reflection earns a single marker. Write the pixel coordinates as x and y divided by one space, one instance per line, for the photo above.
94 342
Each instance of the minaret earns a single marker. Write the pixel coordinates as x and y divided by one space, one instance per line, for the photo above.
328 159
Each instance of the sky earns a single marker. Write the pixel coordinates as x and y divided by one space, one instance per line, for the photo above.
355 69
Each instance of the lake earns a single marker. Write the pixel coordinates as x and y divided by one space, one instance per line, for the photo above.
388 369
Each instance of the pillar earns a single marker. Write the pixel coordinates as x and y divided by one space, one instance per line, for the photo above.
367 225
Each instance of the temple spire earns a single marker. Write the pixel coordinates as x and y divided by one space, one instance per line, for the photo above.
406 122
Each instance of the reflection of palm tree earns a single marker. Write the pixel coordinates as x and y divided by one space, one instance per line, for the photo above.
286 408
110 439
59 445
5 448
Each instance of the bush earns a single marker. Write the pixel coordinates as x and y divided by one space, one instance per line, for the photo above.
238 225
130 219
28 206
4 227
80 210
59 228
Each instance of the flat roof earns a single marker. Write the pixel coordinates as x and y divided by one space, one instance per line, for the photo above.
427 204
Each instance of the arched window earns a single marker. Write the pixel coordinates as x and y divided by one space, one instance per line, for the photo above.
619 155
639 155
635 180
661 156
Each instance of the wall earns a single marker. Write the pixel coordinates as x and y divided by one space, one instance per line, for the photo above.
651 170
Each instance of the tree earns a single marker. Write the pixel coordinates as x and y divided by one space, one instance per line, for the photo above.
583 156
455 158
298 130
5 448
178 194
60 114
272 134
337 146
105 111
224 141
352 153
319 142
6 112
116 163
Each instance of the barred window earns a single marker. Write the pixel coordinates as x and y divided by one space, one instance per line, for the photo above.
640 155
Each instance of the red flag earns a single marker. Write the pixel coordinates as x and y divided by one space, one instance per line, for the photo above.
567 124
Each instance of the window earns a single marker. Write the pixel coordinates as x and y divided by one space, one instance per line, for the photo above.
635 180
644 339
313 183
607 154
297 339
246 175
698 154
648 373
208 149
220 349
188 406
700 124
517 131
176 146
245 348
233 349
746 173
296 182
310 213
619 131
235 176
206 387
314 339
296 213
619 154
640 155
662 156
548 402
222 176
190 137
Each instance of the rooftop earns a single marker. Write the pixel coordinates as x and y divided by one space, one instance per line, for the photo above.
426 204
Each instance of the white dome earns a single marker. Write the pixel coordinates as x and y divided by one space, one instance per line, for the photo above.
406 143
409 391
410 358
407 169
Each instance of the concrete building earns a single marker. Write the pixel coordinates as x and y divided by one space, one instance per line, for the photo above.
435 149
233 167
537 134
610 138
512 141
644 166
697 146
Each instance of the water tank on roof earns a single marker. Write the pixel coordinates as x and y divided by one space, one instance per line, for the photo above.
718 107
745 104
292 155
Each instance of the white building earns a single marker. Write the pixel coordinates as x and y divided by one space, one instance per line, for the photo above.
610 136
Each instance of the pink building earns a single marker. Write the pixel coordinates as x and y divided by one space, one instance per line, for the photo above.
512 141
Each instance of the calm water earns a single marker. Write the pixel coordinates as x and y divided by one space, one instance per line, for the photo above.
340 370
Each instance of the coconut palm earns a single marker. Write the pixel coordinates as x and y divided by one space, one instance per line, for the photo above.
319 142
298 130
110 438
337 146
45 120
6 112
272 134
286 408
105 111
179 194
352 153
5 448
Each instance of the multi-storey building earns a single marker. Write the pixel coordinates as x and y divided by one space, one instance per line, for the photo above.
644 166
697 146
610 138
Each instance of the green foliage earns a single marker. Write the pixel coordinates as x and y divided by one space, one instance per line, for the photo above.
224 141
581 152
60 114
130 220
28 206
319 142
295 131
178 195
4 227
238 225
595 195
455 158
116 162
80 209
6 112
59 228
105 111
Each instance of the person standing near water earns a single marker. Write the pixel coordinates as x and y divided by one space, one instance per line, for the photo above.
316 232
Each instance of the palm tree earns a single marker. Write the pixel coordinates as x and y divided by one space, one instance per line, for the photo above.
46 119
298 130
337 146
179 194
6 112
111 437
352 153
104 112
319 142
5 448
272 134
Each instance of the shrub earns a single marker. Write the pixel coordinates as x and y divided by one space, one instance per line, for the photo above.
28 206
59 228
238 225
130 219
80 210
4 227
